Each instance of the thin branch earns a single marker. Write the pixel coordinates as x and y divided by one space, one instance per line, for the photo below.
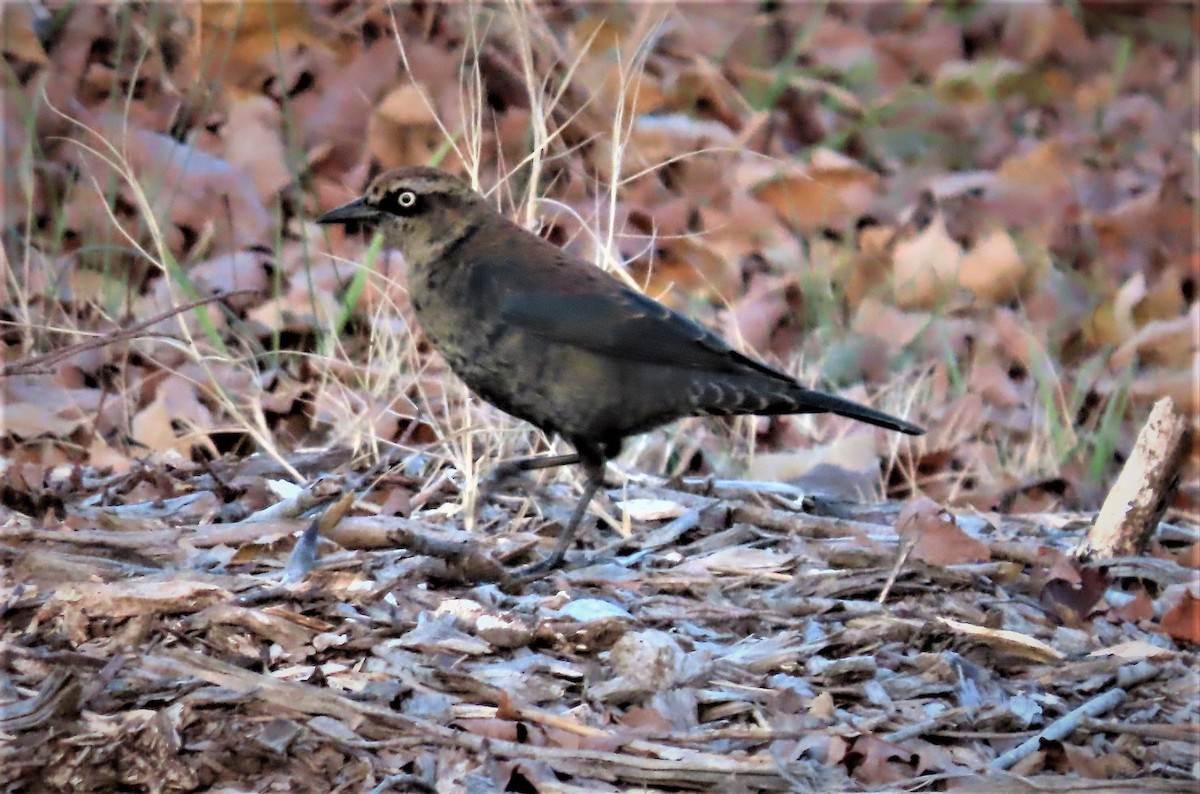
39 363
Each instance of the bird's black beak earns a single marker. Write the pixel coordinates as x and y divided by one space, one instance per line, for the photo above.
357 211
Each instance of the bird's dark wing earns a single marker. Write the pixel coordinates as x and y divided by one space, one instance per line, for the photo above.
622 323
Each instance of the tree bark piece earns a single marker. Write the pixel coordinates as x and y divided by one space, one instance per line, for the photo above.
1143 490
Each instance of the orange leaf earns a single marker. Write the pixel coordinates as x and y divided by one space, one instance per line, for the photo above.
939 540
1182 619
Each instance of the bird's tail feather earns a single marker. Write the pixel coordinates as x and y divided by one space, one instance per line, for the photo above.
809 401
730 396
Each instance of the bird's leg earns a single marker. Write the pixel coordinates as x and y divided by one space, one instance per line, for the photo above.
594 471
511 468
506 470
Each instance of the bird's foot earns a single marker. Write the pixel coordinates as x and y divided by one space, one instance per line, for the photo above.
537 570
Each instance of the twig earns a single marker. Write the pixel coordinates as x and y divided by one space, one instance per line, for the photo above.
320 491
905 550
1062 727
39 363
931 724
1183 732
803 525
459 549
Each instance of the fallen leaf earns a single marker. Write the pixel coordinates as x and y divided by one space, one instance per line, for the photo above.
737 560
1040 170
1172 342
831 193
925 268
649 659
993 269
1134 651
938 538
1072 588
875 761
1181 612
17 36
253 142
651 509
30 420
1011 642
1141 607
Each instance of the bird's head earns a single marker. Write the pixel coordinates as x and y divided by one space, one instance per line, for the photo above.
417 209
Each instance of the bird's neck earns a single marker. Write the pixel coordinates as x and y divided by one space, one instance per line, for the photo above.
447 247
439 251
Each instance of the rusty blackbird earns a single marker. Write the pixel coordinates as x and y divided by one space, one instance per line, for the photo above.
558 342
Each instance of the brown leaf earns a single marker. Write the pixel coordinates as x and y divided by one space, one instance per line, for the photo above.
1084 763
1172 342
1072 589
192 189
1188 557
1039 171
822 707
253 143
939 540
1181 612
1013 642
1134 651
30 420
336 118
17 36
925 267
1140 608
238 270
491 728
1153 384
993 269
755 316
645 718
831 193
874 761
403 128
257 37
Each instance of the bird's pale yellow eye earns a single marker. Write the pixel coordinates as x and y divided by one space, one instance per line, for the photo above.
406 199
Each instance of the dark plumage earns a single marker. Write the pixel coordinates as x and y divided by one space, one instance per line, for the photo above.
558 342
